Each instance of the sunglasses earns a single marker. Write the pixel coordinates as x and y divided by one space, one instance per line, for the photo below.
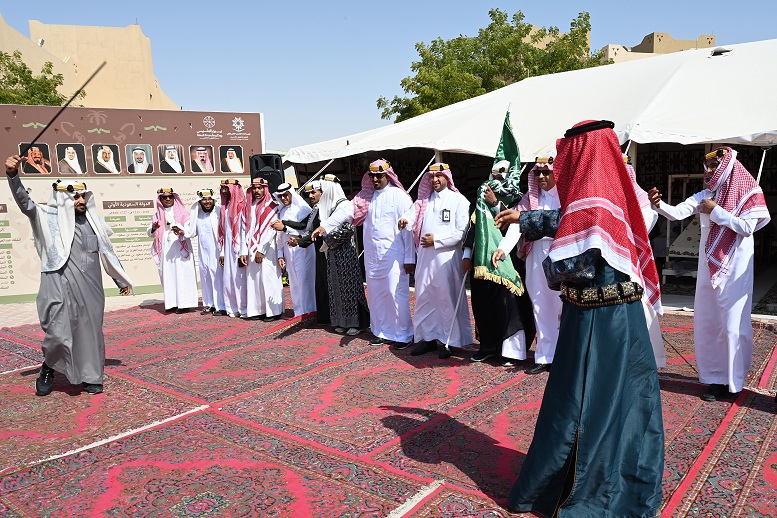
379 176
166 197
542 172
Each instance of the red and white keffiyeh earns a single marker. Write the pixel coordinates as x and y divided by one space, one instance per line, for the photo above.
739 194
600 208
642 197
181 216
530 201
232 207
264 210
425 191
361 202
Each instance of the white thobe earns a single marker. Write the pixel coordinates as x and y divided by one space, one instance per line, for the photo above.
234 276
438 275
546 303
205 226
651 316
301 267
264 287
722 329
386 251
176 272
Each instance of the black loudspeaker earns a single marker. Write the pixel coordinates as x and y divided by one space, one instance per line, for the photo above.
269 167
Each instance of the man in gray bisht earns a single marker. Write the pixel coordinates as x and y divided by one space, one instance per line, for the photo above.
69 237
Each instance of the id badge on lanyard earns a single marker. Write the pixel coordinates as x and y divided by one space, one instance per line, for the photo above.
446 215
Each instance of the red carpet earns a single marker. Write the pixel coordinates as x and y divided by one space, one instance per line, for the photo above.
35 428
288 419
206 465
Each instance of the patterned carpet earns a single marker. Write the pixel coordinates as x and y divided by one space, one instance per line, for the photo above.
206 416
678 343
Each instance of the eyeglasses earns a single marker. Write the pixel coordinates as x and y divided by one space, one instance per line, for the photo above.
379 176
166 197
542 172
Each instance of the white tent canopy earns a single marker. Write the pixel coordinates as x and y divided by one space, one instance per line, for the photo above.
690 97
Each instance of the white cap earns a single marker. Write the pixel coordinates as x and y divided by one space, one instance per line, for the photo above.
501 167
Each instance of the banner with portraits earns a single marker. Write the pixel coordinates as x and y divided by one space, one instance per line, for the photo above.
124 156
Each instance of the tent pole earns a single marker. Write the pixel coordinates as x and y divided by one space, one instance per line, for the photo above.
315 175
628 145
422 173
761 167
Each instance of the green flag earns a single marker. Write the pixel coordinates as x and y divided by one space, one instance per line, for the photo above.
487 235
508 147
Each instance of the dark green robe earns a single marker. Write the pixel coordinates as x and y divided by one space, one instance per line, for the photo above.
598 447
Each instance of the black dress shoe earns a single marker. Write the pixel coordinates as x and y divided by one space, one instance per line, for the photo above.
44 381
401 346
255 317
271 319
444 353
93 388
207 311
379 341
171 310
182 310
480 356
714 392
538 368
220 313
423 348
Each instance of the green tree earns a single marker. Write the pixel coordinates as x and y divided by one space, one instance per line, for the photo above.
18 84
505 51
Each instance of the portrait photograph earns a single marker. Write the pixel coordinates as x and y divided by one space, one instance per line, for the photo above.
105 158
202 159
140 159
170 158
231 159
37 158
71 158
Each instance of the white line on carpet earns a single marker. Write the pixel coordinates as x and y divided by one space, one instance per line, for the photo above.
121 435
413 501
34 365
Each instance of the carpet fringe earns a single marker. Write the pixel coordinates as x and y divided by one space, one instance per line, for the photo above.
415 499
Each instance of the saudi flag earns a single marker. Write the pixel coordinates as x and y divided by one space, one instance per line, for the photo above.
508 147
487 235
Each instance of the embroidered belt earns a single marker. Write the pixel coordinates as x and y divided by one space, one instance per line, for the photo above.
600 296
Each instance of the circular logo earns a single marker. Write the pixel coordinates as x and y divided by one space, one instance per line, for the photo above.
209 121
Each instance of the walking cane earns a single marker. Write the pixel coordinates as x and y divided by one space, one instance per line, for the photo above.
56 116
456 311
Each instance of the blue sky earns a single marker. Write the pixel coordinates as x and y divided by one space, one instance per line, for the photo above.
315 69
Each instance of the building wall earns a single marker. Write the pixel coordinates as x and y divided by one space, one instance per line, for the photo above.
621 54
128 79
36 56
664 43
654 44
